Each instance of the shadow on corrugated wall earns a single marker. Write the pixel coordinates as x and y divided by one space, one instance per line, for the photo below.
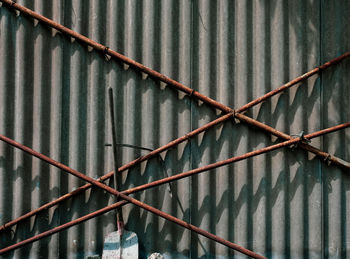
53 98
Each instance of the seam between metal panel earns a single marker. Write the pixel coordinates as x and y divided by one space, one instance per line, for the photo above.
321 139
191 126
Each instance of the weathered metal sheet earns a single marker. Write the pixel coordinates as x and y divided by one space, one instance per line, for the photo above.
335 98
53 98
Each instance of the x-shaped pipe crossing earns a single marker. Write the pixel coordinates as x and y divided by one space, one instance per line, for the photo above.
172 83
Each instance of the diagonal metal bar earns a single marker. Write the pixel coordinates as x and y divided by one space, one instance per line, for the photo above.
324 155
170 81
128 199
162 77
154 74
223 108
239 158
121 169
180 87
173 178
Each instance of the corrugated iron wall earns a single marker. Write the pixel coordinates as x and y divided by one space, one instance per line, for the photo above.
53 98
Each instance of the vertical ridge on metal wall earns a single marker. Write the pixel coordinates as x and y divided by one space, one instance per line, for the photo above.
335 97
53 98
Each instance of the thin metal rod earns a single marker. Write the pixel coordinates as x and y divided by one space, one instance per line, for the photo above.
180 87
119 212
294 81
117 205
173 178
324 155
106 50
154 74
121 169
236 158
127 198
162 77
134 146
183 88
61 227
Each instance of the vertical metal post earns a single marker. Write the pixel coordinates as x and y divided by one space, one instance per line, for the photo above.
119 213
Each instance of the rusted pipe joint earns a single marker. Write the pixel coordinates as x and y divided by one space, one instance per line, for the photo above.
233 113
302 139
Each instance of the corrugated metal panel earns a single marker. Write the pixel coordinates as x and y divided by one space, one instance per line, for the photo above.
54 98
335 98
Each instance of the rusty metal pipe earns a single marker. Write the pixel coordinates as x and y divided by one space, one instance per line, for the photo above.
294 81
121 169
61 227
237 158
159 76
117 205
324 155
106 50
171 83
173 178
126 198
241 117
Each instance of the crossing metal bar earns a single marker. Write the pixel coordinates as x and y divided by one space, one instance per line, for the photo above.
154 74
324 155
185 89
126 198
159 182
110 174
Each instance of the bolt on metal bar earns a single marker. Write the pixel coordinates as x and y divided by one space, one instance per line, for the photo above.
189 91
128 199
324 155
154 74
173 178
